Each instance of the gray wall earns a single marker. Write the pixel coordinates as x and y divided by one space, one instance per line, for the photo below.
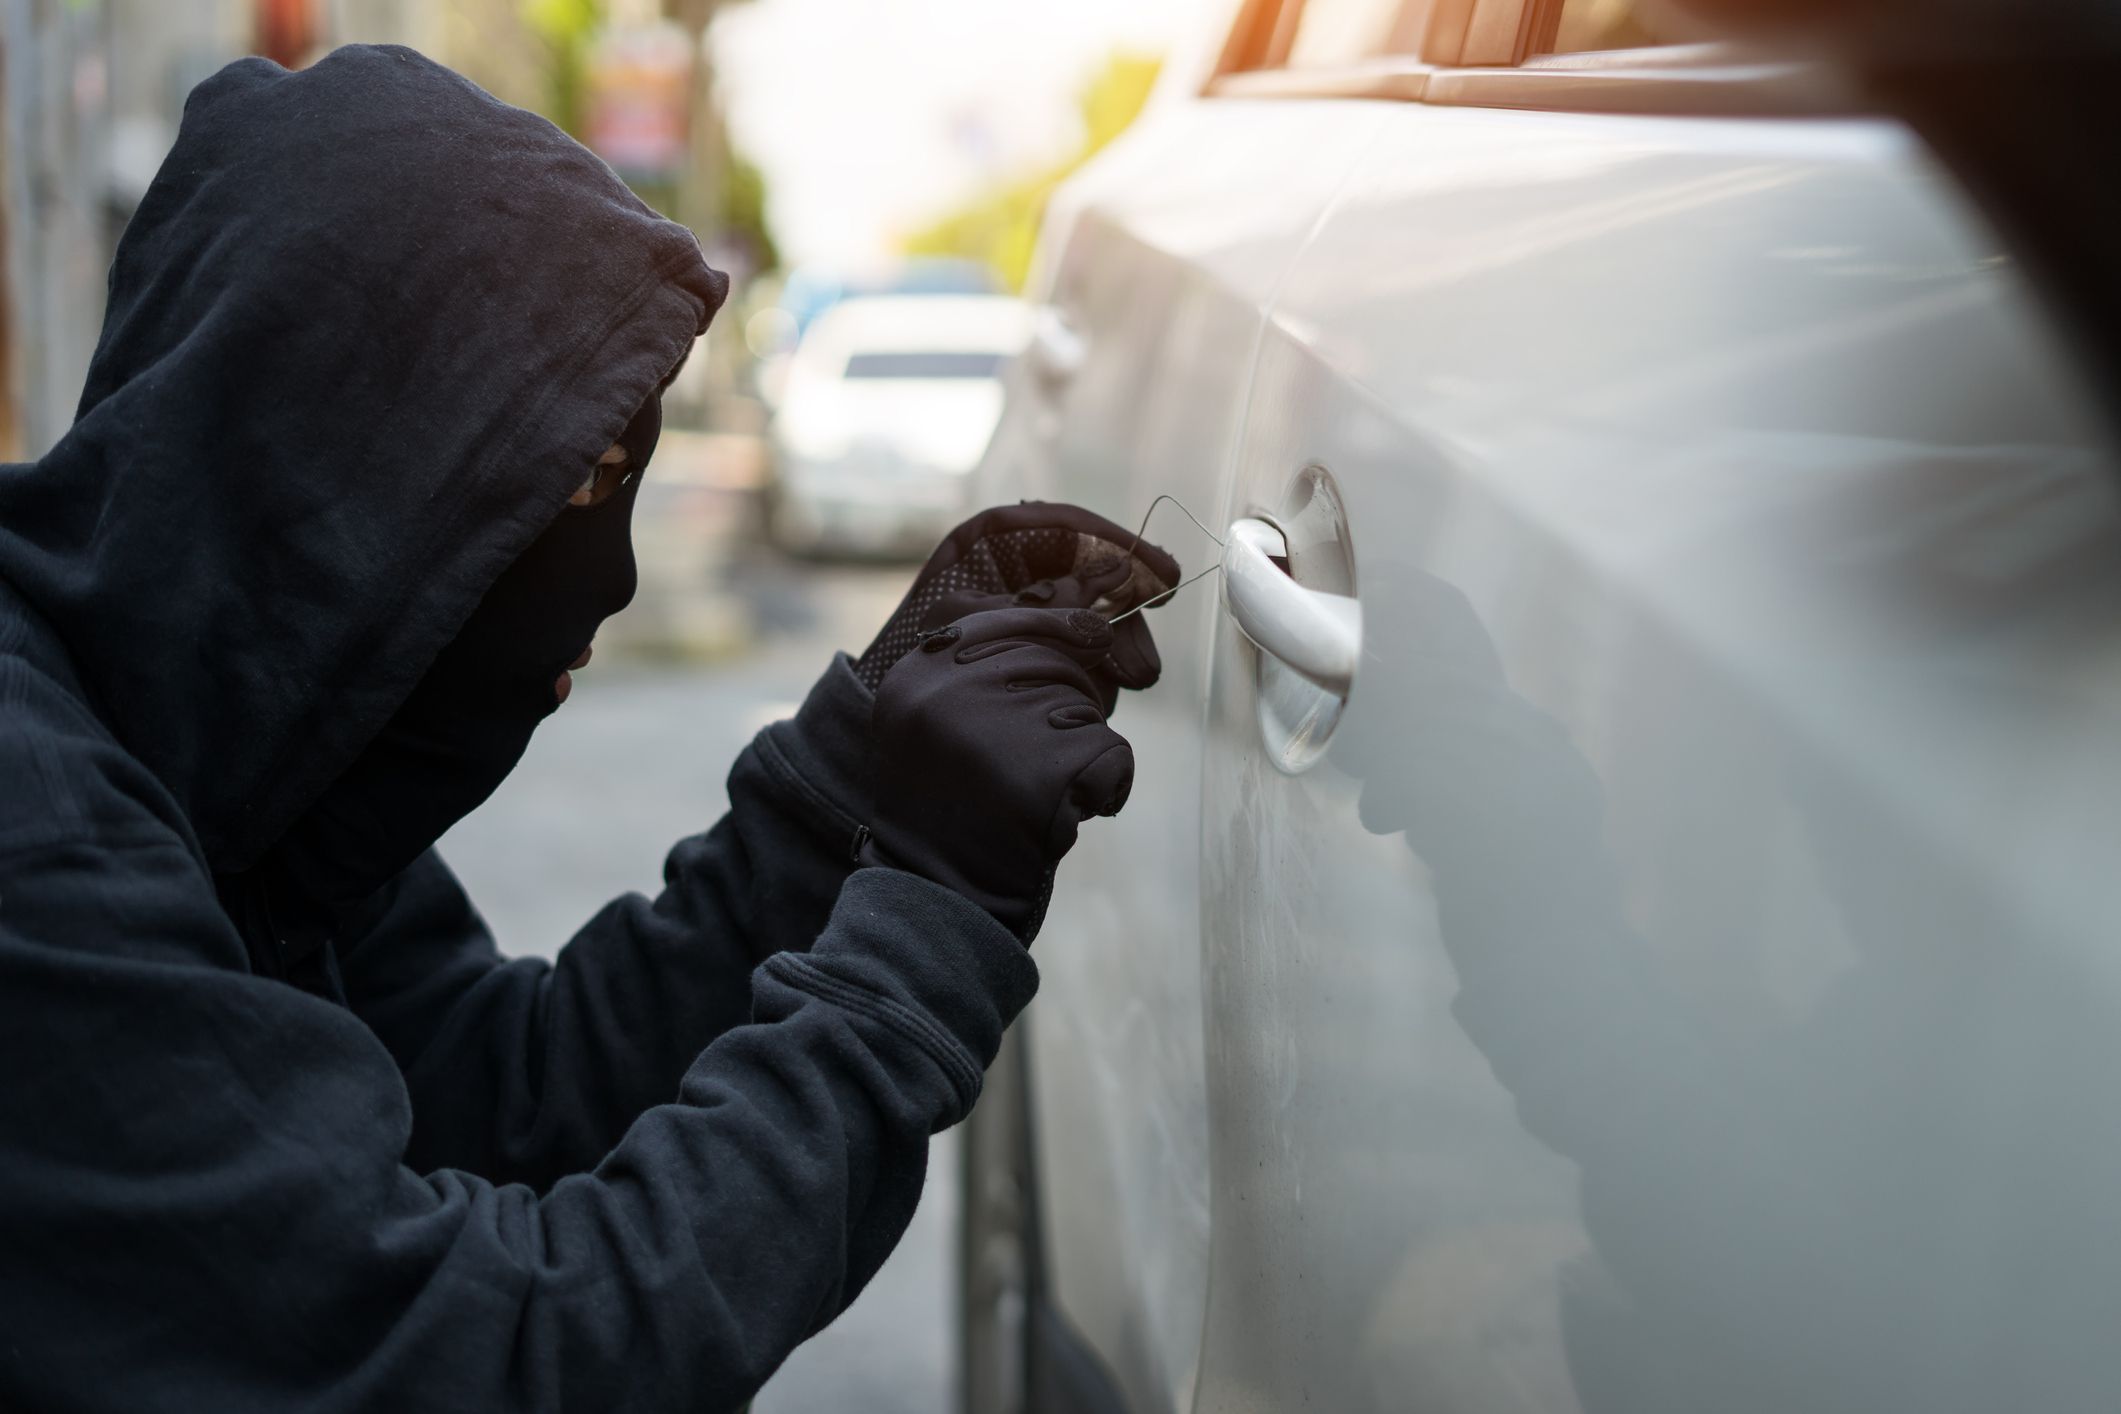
93 92
56 77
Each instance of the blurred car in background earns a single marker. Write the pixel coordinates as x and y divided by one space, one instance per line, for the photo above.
773 332
884 410
1617 911
813 287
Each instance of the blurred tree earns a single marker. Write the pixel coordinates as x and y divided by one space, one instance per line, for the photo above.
743 216
566 27
492 43
722 194
1001 226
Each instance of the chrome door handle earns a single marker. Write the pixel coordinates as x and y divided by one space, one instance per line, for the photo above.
1318 635
1057 353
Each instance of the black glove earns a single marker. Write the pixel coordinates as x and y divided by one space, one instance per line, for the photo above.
1039 554
990 749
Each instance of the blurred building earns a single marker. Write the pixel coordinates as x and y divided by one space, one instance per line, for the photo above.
85 118
92 91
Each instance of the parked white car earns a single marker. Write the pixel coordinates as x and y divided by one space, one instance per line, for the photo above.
886 407
1625 918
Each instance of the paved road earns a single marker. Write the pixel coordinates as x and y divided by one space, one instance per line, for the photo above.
635 761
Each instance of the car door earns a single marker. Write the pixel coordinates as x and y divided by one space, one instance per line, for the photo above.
1679 972
1163 258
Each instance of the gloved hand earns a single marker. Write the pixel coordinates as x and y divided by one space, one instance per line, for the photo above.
1039 554
991 749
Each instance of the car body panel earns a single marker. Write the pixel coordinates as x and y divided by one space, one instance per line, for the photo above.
1166 280
1684 979
1687 980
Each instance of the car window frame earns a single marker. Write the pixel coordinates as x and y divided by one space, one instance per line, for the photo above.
1496 54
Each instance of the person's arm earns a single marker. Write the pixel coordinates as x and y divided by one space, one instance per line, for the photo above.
209 1209
525 1072
203 1169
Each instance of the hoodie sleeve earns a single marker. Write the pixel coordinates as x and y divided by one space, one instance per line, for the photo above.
208 1205
525 1071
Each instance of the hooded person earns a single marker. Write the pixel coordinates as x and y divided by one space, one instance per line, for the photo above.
347 495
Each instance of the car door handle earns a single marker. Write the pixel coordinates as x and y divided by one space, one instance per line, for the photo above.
1057 353
1318 635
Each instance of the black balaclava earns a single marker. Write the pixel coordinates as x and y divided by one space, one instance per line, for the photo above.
453 741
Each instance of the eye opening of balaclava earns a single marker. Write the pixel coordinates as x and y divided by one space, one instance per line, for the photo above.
454 738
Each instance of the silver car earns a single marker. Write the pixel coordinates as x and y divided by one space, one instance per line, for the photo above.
1620 908
881 416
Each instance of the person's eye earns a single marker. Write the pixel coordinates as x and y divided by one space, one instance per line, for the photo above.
605 478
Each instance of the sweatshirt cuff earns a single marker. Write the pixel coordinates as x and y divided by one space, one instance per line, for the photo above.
921 961
823 753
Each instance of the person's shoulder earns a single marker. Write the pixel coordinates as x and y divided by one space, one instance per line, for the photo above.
64 779
97 863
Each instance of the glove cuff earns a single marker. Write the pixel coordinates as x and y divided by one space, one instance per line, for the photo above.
825 752
1022 917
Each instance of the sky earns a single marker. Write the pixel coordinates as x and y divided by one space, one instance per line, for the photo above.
871 117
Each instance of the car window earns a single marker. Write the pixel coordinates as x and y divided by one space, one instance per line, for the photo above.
1494 33
1333 32
1615 56
1584 26
1322 35
923 364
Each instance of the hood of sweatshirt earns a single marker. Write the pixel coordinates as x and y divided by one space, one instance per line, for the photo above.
368 331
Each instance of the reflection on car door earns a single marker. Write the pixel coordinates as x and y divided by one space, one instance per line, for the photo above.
1167 257
1685 979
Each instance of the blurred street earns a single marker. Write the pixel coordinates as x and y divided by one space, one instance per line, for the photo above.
725 636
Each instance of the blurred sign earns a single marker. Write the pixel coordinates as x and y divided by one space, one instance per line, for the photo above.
640 88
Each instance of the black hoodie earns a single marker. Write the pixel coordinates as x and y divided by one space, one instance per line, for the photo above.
367 332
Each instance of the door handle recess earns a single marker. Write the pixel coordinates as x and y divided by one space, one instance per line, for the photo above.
1318 635
1056 351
